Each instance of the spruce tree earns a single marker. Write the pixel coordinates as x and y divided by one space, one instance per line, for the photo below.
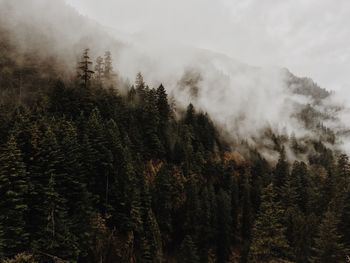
73 186
234 190
13 203
85 73
328 244
48 215
164 113
108 67
99 69
162 203
247 213
205 228
281 172
150 125
224 230
102 167
344 226
188 251
299 180
268 236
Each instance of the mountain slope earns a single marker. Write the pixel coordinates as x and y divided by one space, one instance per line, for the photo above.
243 100
96 169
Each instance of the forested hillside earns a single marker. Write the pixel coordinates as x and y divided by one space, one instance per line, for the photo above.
90 172
96 168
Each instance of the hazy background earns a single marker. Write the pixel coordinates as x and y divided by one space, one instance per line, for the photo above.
311 38
178 43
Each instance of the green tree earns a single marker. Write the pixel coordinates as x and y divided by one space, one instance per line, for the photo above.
188 251
108 66
281 172
48 217
224 229
13 204
328 244
268 240
150 124
162 203
164 112
99 68
85 73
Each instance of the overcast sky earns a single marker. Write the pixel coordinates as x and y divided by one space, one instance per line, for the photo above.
310 37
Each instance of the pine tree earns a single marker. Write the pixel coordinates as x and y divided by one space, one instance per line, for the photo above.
13 204
247 213
163 105
234 208
205 228
344 226
190 115
108 67
116 149
139 82
99 69
268 240
150 124
102 166
188 251
224 229
192 208
164 112
141 89
300 182
281 172
328 245
162 203
305 227
85 73
48 216
73 186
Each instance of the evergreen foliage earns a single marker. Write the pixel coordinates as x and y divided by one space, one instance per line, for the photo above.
94 170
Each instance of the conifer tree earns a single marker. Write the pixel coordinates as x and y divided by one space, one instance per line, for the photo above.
140 88
99 69
205 228
73 186
108 67
281 172
190 115
150 124
102 164
188 251
234 190
162 201
139 82
13 203
300 182
344 226
268 240
48 216
192 208
247 213
164 112
328 244
224 229
85 73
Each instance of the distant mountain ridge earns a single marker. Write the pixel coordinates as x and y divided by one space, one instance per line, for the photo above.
243 100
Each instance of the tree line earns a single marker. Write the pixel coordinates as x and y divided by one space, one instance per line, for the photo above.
92 174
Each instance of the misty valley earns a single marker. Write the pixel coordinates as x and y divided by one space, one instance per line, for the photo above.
113 151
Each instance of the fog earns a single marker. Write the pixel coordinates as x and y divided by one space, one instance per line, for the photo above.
225 57
311 38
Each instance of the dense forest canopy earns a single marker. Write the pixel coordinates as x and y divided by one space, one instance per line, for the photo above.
90 175
95 169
